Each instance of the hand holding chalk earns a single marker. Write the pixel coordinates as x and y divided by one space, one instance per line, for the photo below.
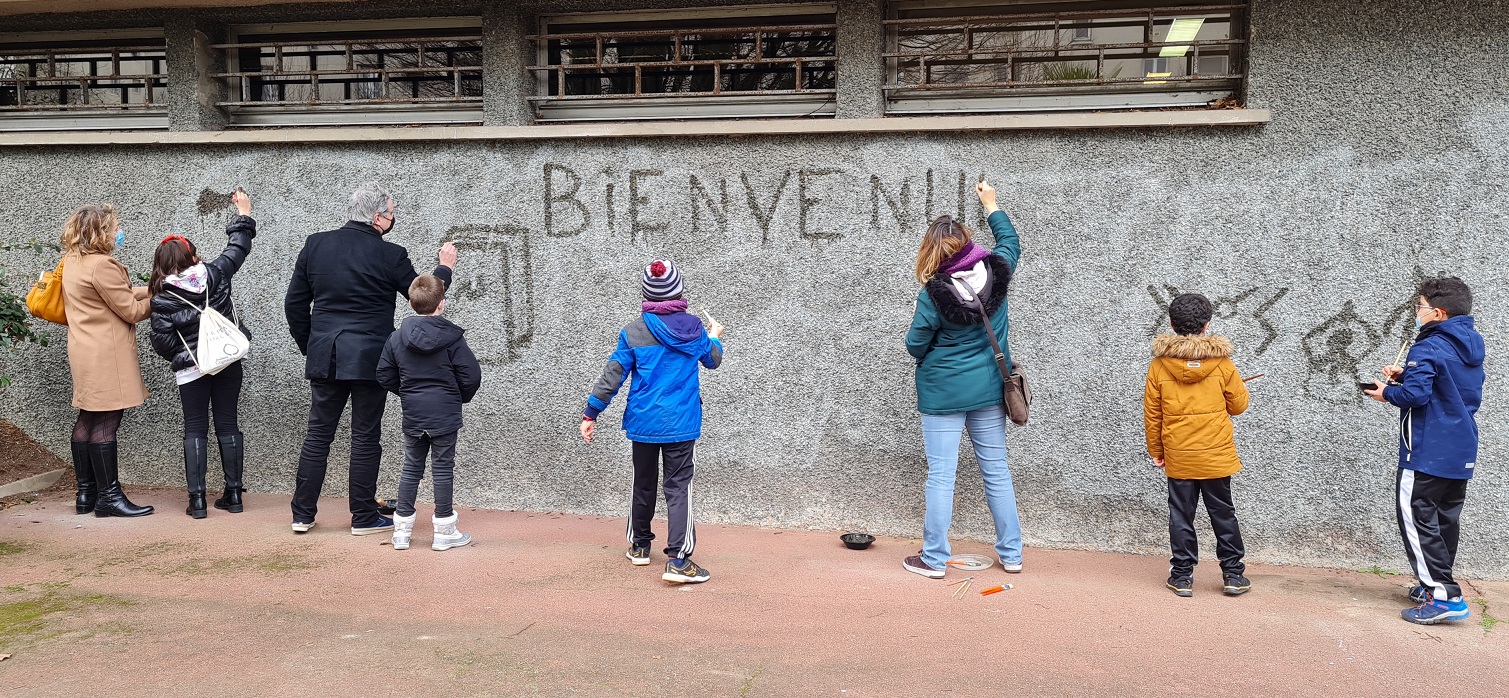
716 328
242 201
987 196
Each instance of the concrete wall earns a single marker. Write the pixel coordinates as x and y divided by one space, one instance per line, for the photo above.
1384 163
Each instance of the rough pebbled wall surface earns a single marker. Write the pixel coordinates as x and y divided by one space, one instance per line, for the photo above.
1385 162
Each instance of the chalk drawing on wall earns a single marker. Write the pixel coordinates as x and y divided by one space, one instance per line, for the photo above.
1336 354
1227 307
496 292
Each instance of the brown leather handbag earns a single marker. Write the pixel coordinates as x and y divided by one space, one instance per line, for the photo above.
1017 394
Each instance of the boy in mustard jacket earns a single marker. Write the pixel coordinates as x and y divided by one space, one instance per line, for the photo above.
1192 389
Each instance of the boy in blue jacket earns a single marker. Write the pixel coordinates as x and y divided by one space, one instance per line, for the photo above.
1438 392
661 350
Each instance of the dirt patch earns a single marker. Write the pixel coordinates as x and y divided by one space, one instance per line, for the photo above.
21 457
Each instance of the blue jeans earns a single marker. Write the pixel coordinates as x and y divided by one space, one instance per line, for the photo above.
940 438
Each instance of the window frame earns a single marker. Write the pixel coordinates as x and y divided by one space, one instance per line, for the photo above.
1071 95
244 112
798 103
149 115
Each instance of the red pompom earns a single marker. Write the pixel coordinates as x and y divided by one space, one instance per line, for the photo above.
657 269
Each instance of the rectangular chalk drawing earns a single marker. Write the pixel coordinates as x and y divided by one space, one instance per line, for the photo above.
1340 349
498 268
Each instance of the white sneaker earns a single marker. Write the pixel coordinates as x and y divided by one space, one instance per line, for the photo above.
300 527
403 530
446 535
1011 567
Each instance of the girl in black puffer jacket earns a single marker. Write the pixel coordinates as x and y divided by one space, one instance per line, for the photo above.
180 286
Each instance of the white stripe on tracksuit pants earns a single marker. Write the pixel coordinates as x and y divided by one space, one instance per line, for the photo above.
680 466
1430 510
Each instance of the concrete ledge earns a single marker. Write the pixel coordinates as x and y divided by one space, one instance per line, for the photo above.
32 484
727 127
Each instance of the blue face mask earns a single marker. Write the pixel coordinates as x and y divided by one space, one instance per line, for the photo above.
120 237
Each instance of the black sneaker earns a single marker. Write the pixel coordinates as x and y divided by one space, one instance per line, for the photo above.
684 571
1182 586
386 507
1235 585
639 555
1419 594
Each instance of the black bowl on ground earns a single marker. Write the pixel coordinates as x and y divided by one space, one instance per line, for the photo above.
857 541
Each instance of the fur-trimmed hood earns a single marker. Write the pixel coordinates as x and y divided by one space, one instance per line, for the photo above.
1191 358
953 310
1192 346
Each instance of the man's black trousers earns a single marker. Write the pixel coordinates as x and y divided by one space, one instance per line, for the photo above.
327 400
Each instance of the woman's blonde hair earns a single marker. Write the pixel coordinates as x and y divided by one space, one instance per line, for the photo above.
90 230
943 238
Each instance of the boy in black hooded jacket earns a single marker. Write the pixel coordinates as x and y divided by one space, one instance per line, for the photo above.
428 364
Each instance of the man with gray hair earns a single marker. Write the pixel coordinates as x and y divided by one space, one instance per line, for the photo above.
348 277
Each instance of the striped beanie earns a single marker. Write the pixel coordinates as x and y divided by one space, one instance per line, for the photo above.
661 281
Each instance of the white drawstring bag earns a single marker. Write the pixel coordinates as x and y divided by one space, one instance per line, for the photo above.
221 342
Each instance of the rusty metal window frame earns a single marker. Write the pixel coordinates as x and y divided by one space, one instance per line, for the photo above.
414 41
1075 87
680 32
48 60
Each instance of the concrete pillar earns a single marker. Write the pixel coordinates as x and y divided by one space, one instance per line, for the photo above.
192 93
506 51
861 70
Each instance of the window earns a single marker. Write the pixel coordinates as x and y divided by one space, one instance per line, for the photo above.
1034 55
408 72
114 80
767 61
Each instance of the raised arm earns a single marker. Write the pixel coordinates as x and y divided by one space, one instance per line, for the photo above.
404 273
1008 245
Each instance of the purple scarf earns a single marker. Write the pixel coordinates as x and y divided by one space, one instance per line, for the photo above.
967 256
664 307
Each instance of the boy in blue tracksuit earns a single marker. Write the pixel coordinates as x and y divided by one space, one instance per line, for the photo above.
661 350
1438 392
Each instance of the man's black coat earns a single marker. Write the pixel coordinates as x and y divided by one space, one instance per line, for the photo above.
349 275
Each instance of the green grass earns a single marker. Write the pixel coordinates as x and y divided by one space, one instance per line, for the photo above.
1486 621
749 682
35 618
1382 573
9 548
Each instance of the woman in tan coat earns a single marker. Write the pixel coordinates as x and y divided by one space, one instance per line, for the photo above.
103 310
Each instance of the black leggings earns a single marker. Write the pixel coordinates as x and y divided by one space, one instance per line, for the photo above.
223 391
97 427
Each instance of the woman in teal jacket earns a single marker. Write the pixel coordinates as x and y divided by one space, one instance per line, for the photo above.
958 381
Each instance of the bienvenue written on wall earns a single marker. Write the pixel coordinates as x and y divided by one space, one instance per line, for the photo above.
828 204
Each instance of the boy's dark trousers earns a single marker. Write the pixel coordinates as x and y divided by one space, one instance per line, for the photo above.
1430 513
1183 497
678 495
441 449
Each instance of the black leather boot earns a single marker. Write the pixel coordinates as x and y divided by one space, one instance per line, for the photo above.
112 501
195 456
231 458
83 472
